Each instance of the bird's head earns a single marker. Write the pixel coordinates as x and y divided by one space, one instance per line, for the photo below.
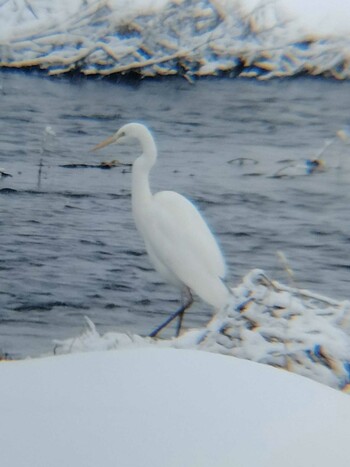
124 134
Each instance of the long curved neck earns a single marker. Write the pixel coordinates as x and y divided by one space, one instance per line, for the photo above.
141 191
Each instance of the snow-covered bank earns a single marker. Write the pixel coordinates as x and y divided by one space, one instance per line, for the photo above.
192 38
167 407
281 326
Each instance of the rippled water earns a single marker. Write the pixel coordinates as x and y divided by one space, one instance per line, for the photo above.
69 247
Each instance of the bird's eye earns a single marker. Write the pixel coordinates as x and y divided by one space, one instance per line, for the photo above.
122 134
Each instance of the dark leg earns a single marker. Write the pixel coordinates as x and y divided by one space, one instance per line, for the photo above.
180 313
179 323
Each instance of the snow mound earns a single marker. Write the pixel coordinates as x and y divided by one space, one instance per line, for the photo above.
269 323
168 407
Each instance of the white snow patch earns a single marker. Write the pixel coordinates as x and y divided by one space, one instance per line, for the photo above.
157 407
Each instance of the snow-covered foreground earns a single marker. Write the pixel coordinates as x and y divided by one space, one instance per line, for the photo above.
167 407
268 322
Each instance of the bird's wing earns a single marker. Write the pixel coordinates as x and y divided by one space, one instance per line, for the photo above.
182 235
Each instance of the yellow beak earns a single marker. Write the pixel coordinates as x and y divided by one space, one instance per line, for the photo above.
104 143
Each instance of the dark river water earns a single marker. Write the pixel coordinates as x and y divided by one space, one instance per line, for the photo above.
68 245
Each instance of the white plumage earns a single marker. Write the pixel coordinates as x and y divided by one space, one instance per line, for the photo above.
179 243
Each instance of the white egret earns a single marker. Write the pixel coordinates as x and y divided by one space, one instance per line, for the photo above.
178 241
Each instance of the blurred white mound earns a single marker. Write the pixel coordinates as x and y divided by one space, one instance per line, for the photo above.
166 407
269 323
